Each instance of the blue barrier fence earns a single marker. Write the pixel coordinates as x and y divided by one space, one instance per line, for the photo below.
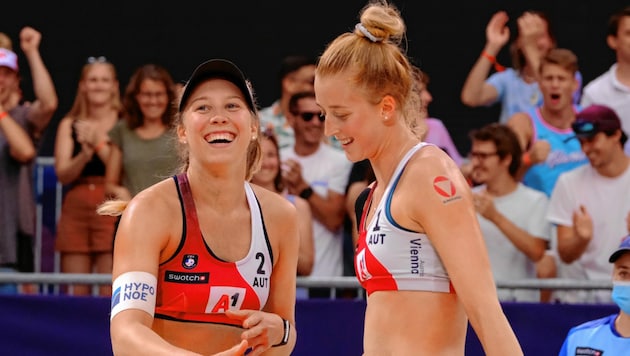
63 325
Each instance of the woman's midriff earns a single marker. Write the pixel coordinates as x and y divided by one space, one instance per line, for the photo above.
414 323
202 338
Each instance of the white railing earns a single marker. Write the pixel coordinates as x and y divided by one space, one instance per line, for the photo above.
45 280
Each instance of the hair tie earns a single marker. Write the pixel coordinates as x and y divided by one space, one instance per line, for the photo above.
367 33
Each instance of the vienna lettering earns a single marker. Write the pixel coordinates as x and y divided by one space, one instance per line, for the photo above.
416 265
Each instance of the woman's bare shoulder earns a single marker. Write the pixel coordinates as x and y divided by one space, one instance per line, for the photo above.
160 198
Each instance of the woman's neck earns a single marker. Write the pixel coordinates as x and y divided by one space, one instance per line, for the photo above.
222 190
98 112
385 163
151 129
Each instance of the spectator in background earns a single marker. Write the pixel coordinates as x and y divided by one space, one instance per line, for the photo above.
609 335
30 118
512 216
319 174
515 88
296 74
544 132
84 238
143 150
417 227
270 176
612 88
430 129
590 204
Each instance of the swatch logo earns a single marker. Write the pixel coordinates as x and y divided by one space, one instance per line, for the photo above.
444 187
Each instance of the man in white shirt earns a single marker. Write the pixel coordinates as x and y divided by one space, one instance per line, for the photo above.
590 204
612 88
511 215
318 173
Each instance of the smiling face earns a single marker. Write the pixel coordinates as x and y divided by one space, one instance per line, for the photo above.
350 118
305 118
218 126
486 163
600 148
152 99
99 83
270 165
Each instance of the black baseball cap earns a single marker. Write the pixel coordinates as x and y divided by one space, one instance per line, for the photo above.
218 68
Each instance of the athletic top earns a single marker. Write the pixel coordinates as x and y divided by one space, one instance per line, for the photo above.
196 285
595 337
565 154
390 257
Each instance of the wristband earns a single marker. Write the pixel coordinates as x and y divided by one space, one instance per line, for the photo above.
306 193
4 114
285 336
493 60
526 159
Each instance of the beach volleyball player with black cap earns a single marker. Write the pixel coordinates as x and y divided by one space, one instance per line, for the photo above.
203 260
609 335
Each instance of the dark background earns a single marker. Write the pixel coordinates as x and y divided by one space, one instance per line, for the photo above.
443 37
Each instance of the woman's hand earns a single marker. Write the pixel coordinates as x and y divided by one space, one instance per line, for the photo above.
263 330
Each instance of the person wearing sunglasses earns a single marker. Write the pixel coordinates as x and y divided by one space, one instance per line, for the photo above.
590 205
318 173
609 335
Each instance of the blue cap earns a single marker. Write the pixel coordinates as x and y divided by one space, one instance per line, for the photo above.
623 248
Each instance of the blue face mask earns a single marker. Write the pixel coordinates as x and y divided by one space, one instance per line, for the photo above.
621 295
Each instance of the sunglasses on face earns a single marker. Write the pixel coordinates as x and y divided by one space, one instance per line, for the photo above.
308 116
99 59
584 127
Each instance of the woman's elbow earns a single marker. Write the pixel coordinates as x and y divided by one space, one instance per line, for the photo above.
305 267
24 155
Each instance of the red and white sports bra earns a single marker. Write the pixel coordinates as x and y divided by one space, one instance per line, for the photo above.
390 257
195 285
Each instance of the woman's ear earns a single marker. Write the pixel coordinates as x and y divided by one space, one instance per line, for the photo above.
181 134
255 130
388 108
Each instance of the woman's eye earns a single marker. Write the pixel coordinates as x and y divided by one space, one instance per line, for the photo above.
233 106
